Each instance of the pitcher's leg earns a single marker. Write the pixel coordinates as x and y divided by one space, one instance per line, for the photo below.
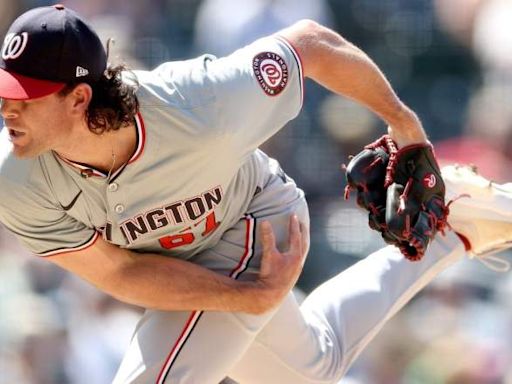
337 320
291 349
357 303
186 347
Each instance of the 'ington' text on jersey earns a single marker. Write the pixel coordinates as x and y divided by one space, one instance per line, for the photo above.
180 213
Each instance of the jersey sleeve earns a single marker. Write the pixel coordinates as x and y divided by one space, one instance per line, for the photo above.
28 209
257 89
42 228
235 102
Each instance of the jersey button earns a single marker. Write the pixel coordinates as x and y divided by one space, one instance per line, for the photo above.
119 208
112 187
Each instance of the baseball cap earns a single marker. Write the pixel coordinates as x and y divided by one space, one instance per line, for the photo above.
46 48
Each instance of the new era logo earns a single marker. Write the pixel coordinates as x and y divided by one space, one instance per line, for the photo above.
81 71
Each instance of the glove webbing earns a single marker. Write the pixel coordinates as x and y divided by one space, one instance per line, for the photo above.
387 142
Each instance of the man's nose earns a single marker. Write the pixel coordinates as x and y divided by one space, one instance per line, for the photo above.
8 109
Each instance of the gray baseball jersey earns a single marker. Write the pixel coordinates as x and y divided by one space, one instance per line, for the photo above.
194 171
185 192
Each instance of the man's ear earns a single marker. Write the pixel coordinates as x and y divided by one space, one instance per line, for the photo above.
79 99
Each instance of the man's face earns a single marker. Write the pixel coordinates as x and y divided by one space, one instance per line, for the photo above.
37 125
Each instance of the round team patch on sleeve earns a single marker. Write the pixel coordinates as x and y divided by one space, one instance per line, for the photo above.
271 72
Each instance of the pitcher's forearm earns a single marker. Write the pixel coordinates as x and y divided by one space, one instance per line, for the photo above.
171 284
343 68
161 282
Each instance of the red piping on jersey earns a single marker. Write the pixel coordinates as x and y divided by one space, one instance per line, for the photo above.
249 239
250 224
185 333
82 167
141 129
63 251
141 141
299 61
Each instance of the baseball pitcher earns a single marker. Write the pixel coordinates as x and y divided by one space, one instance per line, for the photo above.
150 186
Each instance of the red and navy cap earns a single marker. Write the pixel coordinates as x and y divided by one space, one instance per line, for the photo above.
47 48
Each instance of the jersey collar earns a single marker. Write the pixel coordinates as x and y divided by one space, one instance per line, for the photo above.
88 171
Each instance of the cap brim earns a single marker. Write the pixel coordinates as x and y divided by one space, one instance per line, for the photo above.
18 87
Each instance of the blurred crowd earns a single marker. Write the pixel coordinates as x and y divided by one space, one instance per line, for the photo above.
450 60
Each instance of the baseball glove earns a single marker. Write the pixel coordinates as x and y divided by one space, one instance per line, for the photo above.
403 192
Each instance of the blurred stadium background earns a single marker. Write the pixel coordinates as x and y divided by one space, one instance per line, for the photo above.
450 60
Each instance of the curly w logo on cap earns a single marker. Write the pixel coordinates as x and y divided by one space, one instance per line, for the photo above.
14 44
